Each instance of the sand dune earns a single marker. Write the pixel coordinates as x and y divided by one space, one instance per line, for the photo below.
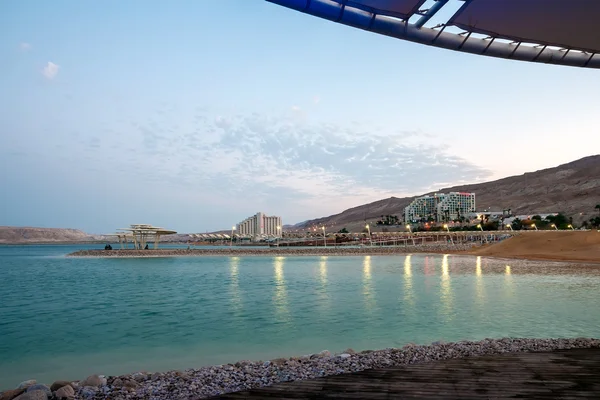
547 245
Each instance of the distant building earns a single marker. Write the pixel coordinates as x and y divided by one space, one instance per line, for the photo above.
260 225
440 207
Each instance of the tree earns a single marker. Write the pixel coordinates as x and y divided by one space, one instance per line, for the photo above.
343 230
517 225
598 208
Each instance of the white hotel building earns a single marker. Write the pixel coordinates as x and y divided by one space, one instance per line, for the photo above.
440 206
260 225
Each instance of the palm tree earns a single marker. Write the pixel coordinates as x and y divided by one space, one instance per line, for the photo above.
598 208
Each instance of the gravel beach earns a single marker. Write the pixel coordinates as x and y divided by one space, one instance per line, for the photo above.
211 381
435 247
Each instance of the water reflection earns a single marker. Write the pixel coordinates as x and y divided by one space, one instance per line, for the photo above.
323 271
368 291
479 298
234 285
446 290
508 279
409 296
280 299
323 292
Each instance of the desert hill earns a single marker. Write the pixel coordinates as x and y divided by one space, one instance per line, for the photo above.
573 189
12 234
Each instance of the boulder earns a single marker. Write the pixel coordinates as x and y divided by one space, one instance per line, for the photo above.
42 387
26 384
65 392
93 380
58 384
11 394
33 395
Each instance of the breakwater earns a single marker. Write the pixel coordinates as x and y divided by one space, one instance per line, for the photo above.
434 247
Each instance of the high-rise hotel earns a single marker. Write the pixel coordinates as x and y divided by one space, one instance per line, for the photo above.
260 224
441 207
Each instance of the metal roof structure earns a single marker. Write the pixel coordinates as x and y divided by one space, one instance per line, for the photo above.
561 32
142 232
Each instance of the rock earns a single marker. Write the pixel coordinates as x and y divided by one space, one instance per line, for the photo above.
130 384
325 353
93 380
344 355
139 376
65 392
88 392
33 395
349 351
58 384
41 387
11 394
26 384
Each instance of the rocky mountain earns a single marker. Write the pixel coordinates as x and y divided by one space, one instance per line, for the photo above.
572 189
23 235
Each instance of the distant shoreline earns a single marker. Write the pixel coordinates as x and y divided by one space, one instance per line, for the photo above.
274 251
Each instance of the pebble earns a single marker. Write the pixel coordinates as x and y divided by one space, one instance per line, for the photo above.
33 395
215 380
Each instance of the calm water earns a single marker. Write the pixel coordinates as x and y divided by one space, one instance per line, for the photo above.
67 318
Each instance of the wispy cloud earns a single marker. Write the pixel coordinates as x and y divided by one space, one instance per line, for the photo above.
50 70
24 46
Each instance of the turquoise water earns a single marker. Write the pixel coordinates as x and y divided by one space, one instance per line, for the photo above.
64 318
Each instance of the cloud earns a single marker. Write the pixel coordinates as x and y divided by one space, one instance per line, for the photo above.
50 70
25 46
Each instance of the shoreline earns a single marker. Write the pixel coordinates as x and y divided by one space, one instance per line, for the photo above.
215 380
457 250
273 251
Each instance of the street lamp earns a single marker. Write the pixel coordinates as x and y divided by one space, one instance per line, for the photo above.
480 227
369 231
571 227
231 241
534 227
448 229
554 226
509 226
278 230
324 237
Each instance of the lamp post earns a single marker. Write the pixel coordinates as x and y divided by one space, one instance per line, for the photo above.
448 230
231 241
324 237
534 227
369 231
509 226
571 227
411 233
278 234
554 226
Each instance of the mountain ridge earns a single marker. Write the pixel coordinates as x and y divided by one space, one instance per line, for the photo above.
572 188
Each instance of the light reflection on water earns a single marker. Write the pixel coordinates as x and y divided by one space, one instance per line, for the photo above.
280 300
125 315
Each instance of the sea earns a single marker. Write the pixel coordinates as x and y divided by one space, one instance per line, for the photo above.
67 318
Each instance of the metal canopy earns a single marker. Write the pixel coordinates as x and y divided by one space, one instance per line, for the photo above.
393 8
561 32
571 24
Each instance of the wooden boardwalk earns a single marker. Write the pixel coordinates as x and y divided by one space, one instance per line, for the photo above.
565 374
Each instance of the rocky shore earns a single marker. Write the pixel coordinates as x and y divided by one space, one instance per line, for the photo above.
435 247
211 381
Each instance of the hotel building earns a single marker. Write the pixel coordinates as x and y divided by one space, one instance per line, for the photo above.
441 207
260 225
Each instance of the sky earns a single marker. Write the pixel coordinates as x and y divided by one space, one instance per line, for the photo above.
193 115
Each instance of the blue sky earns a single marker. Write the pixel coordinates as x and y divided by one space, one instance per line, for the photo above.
193 115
